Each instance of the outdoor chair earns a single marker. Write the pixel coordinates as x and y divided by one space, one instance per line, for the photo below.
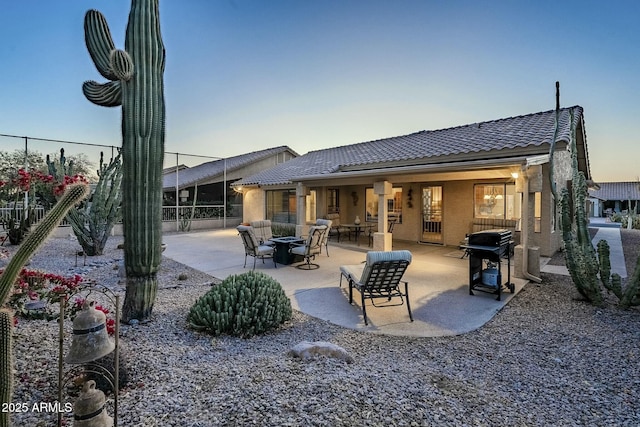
325 237
253 248
336 229
262 230
379 277
310 248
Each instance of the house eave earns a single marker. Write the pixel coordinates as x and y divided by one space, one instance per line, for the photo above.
383 173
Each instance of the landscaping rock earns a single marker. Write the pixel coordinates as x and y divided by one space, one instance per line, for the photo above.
308 350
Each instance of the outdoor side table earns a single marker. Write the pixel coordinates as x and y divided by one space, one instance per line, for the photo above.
357 229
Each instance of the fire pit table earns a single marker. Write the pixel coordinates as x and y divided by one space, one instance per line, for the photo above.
282 248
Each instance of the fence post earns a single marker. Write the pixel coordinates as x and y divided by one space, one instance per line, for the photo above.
177 191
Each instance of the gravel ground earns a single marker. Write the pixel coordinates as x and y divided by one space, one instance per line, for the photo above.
547 358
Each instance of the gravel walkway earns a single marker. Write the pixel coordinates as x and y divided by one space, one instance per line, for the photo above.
546 359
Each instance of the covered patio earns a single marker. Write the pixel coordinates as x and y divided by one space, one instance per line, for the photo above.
438 284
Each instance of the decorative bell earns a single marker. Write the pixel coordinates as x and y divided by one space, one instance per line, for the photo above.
89 411
90 338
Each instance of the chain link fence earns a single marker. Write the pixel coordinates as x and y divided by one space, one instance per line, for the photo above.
191 200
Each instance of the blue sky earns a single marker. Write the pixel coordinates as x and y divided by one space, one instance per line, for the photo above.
244 75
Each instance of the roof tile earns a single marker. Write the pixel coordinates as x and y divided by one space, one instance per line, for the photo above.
423 147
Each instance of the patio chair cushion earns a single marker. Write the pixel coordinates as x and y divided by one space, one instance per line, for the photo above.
325 239
375 256
262 229
359 273
254 243
380 278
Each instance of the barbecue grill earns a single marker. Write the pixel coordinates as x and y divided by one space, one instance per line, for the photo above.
489 246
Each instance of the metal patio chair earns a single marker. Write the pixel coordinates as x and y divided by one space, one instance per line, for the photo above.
380 277
325 238
253 248
311 247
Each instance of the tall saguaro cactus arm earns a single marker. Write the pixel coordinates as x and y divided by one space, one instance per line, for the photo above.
136 83
101 48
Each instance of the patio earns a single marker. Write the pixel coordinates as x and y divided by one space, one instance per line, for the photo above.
438 284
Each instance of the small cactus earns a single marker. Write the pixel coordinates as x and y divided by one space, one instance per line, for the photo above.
242 305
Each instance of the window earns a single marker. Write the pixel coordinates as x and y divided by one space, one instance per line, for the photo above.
496 201
333 200
394 205
281 206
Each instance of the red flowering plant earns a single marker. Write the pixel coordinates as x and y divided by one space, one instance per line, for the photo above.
35 291
17 223
31 186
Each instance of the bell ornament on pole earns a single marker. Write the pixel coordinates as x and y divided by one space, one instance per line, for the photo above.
89 410
90 337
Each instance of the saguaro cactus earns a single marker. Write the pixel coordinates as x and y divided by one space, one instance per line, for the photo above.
33 241
136 83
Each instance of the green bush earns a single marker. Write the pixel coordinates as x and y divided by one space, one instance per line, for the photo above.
282 229
242 305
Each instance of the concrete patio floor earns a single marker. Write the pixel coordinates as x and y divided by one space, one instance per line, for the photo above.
438 284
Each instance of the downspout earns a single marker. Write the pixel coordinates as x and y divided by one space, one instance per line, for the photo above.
525 228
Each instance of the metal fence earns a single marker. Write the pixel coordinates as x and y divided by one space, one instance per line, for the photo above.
34 151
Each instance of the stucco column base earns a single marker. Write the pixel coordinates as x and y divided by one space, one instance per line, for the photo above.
302 230
533 261
382 241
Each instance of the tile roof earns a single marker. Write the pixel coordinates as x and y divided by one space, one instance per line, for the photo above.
617 191
491 139
209 170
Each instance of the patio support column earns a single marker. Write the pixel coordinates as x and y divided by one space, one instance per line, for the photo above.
382 241
526 257
301 209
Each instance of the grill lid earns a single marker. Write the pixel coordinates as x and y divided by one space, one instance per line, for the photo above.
496 237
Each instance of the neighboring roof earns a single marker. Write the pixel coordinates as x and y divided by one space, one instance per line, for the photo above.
527 134
173 169
617 191
209 170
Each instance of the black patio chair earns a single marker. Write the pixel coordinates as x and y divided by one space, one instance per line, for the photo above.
380 278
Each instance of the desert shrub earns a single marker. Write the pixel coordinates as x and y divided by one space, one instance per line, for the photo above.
624 220
242 305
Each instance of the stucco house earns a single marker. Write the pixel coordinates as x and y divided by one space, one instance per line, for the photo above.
212 178
438 185
612 197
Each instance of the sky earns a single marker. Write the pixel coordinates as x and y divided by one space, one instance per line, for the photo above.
246 75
